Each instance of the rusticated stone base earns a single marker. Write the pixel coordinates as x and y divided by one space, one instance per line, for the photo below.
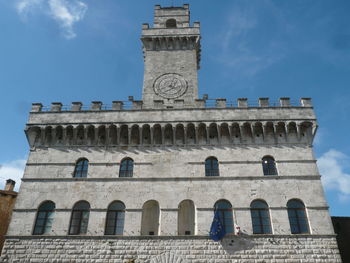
198 249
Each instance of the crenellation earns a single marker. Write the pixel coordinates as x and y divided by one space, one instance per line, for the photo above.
306 102
76 106
56 106
137 104
96 105
36 107
200 103
242 103
264 102
220 103
117 105
285 102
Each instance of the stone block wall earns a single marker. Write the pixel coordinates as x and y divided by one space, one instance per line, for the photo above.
278 249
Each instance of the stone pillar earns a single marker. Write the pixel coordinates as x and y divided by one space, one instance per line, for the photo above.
117 105
96 105
56 106
264 102
36 107
220 103
76 106
285 102
306 102
242 102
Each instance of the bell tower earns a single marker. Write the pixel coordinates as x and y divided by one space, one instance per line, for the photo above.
172 56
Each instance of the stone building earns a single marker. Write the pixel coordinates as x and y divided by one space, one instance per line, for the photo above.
7 202
139 180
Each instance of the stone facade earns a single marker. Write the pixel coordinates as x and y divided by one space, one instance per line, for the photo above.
168 199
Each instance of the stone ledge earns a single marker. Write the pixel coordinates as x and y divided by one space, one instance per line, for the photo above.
157 179
168 237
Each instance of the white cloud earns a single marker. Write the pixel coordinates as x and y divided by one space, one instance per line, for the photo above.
12 170
65 12
332 165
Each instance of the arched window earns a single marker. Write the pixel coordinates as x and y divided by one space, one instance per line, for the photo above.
150 218
186 218
115 219
80 218
269 166
81 168
226 216
170 23
126 168
297 217
260 217
211 167
44 218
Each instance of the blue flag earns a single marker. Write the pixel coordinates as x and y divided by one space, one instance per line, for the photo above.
217 229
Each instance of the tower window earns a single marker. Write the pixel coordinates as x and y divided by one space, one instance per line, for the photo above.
211 167
170 23
80 218
269 166
126 168
226 215
44 218
81 168
297 217
260 217
115 219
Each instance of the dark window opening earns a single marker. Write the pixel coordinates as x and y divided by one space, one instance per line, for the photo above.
126 168
44 218
297 217
115 219
170 23
260 218
81 168
226 215
269 166
80 218
211 167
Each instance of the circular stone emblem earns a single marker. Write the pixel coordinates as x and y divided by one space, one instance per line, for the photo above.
170 86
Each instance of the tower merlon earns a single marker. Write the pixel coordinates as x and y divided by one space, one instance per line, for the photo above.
160 104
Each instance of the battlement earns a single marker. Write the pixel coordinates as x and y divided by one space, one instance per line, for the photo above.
179 104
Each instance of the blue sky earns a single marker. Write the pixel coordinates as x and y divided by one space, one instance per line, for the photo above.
85 50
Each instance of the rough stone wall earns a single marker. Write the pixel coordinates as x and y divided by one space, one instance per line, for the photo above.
278 249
